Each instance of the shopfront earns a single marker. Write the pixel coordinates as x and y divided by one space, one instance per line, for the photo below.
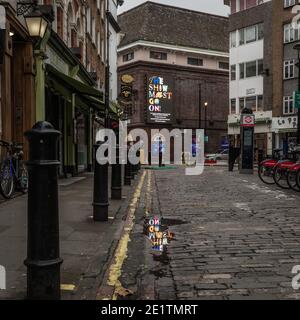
71 105
285 130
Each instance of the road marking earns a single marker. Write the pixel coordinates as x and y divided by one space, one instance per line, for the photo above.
115 269
67 287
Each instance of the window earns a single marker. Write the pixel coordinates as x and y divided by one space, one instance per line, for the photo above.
250 34
233 39
242 103
241 37
233 72
260 31
233 106
260 103
158 55
289 69
288 105
195 61
251 69
251 103
242 70
129 56
290 34
224 65
260 67
288 3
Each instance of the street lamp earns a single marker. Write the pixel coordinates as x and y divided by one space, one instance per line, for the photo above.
36 24
205 118
297 47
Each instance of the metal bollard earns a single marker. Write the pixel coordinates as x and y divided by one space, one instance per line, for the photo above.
127 173
116 177
100 199
43 257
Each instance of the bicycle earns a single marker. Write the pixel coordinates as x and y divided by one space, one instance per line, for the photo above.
13 172
266 168
283 173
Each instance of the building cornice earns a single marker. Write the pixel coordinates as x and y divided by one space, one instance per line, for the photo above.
171 67
149 44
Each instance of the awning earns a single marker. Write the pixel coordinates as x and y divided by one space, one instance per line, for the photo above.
86 96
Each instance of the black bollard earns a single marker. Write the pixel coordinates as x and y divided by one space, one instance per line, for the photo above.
100 204
43 257
116 177
127 173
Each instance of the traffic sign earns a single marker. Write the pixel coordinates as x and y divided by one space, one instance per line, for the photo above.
297 99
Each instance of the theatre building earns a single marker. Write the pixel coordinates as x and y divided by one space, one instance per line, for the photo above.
173 67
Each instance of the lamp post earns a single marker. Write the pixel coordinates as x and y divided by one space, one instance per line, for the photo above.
297 47
205 119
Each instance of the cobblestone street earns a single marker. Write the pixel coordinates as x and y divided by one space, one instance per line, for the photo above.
236 238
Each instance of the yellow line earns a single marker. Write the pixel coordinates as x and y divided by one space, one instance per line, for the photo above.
115 269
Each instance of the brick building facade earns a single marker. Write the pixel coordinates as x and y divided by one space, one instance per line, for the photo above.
188 51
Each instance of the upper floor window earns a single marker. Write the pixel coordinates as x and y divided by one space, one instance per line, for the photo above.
158 55
129 56
195 61
288 3
248 35
289 69
233 39
223 65
251 69
233 72
288 105
233 106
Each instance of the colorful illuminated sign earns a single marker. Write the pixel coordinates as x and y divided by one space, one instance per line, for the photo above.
158 234
160 107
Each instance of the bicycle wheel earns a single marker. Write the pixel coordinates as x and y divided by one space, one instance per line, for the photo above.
292 180
266 174
298 179
23 178
280 178
7 181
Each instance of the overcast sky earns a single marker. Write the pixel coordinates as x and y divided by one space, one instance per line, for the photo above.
211 6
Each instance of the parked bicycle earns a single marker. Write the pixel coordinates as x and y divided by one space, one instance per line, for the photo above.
284 171
13 172
266 167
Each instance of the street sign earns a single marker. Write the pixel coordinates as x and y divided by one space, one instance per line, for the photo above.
248 120
297 99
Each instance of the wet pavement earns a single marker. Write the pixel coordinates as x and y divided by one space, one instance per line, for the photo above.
235 238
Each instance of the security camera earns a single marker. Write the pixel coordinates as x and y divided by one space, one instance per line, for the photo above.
120 2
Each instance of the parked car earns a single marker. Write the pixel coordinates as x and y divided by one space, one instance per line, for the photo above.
219 155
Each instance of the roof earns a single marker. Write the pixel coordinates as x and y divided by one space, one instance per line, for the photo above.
161 23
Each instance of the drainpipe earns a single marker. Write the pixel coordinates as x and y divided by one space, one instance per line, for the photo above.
40 57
